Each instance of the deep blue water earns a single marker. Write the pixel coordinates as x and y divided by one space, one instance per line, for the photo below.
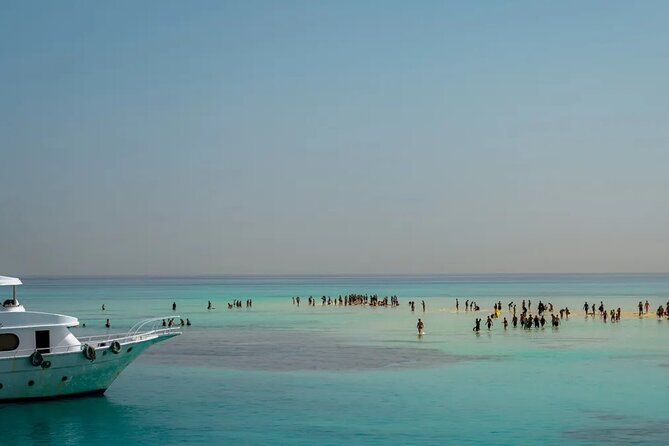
326 375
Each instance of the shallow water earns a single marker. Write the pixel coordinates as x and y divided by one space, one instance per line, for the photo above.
279 374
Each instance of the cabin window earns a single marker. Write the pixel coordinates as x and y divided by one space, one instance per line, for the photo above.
8 341
42 341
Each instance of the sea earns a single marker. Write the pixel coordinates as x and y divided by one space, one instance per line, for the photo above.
281 374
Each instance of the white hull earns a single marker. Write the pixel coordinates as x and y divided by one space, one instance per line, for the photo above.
69 373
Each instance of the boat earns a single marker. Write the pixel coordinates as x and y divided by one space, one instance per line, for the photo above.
40 358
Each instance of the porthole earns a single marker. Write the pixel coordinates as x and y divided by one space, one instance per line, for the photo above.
0 385
31 383
8 342
130 349
64 378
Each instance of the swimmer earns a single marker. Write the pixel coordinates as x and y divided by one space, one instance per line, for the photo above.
477 327
103 307
108 324
174 306
506 323
188 322
420 326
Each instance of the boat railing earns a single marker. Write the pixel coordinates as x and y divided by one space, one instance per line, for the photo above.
122 338
139 328
135 334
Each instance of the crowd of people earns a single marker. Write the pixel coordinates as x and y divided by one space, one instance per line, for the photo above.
170 322
526 320
469 306
539 319
237 303
372 300
613 315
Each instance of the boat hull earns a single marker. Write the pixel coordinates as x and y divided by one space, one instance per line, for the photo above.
69 374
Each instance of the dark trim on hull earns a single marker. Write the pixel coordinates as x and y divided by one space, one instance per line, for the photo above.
32 399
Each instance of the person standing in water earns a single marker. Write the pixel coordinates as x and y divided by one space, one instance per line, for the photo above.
174 306
420 326
457 305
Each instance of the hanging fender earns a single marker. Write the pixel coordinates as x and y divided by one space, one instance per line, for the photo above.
89 352
36 359
115 347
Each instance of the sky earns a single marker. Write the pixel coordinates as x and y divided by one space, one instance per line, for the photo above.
333 137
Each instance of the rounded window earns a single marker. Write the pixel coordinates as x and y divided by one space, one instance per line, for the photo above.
8 341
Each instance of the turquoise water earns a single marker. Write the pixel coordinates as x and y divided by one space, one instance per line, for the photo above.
326 375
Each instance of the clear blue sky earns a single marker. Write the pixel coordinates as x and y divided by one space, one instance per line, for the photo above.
160 137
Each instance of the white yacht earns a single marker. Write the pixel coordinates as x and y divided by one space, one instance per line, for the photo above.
41 358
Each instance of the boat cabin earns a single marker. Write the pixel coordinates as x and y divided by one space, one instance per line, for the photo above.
23 332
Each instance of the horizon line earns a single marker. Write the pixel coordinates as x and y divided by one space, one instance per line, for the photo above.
333 275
